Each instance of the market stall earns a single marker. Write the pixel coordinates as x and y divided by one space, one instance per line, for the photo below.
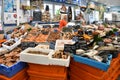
41 50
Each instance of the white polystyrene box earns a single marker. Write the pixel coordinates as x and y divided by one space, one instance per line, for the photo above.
18 42
35 58
42 46
60 44
60 62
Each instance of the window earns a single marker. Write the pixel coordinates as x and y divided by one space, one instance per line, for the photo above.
50 8
57 7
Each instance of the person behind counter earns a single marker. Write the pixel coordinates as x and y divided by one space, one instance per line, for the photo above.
63 22
81 18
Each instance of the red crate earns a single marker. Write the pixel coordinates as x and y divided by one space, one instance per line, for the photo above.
114 74
47 68
46 76
26 78
74 77
93 70
86 72
113 66
87 68
85 75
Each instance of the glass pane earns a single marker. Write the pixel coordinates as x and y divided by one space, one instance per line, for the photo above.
50 8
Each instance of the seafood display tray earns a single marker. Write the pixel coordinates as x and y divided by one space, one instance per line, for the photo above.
35 58
93 63
12 46
60 62
12 70
60 44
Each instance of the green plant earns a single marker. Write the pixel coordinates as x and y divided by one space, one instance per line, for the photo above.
29 29
97 38
105 24
110 32
115 29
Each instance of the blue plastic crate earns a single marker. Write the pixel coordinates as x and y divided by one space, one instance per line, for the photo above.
93 63
11 71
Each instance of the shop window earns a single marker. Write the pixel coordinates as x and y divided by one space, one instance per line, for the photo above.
50 8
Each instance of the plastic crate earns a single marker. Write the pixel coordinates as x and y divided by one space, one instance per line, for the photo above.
78 71
22 75
36 58
47 68
26 78
46 76
12 70
113 66
114 74
87 68
100 65
74 77
87 76
93 70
